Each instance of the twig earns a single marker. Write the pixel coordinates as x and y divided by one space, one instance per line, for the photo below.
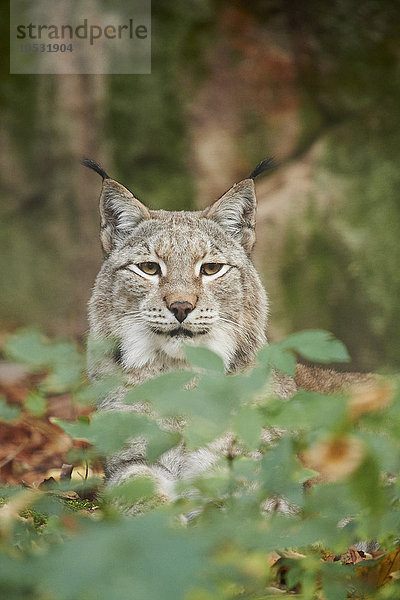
13 454
66 471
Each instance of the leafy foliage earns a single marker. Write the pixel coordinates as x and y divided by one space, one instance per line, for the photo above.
61 358
221 538
343 255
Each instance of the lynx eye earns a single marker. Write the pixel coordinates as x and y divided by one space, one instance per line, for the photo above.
150 268
210 268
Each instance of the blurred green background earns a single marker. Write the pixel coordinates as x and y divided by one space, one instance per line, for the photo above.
316 84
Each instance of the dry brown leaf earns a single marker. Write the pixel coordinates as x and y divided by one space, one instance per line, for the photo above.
365 399
71 523
31 446
292 554
335 458
382 571
388 565
353 556
272 558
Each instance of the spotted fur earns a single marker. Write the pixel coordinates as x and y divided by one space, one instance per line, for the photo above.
132 308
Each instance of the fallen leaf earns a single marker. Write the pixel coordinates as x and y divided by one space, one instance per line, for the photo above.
335 458
388 565
272 558
365 399
382 570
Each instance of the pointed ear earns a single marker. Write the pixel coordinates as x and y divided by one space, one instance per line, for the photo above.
235 212
120 212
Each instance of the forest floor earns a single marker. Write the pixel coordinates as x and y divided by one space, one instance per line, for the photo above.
36 453
32 448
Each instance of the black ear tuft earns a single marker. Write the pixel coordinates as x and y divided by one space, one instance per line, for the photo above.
265 165
90 164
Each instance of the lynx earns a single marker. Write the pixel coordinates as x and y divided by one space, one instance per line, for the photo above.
172 278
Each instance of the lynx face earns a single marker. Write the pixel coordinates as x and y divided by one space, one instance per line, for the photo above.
175 278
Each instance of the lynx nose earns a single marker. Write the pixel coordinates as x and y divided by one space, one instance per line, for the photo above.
180 310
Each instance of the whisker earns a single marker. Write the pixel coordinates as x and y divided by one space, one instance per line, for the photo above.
133 313
238 325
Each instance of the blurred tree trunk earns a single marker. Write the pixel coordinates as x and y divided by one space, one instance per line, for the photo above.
79 106
316 84
53 214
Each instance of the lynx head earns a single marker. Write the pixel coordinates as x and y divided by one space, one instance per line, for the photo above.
171 278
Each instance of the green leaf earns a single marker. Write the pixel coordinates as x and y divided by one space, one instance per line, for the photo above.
334 579
204 359
14 583
200 432
61 357
131 491
294 574
367 488
159 442
36 404
28 346
334 590
317 345
8 412
78 430
281 471
331 499
67 367
109 431
133 558
84 419
278 357
215 483
308 410
247 425
167 389
307 474
385 449
97 391
245 468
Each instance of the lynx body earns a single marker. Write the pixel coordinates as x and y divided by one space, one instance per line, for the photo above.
175 278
